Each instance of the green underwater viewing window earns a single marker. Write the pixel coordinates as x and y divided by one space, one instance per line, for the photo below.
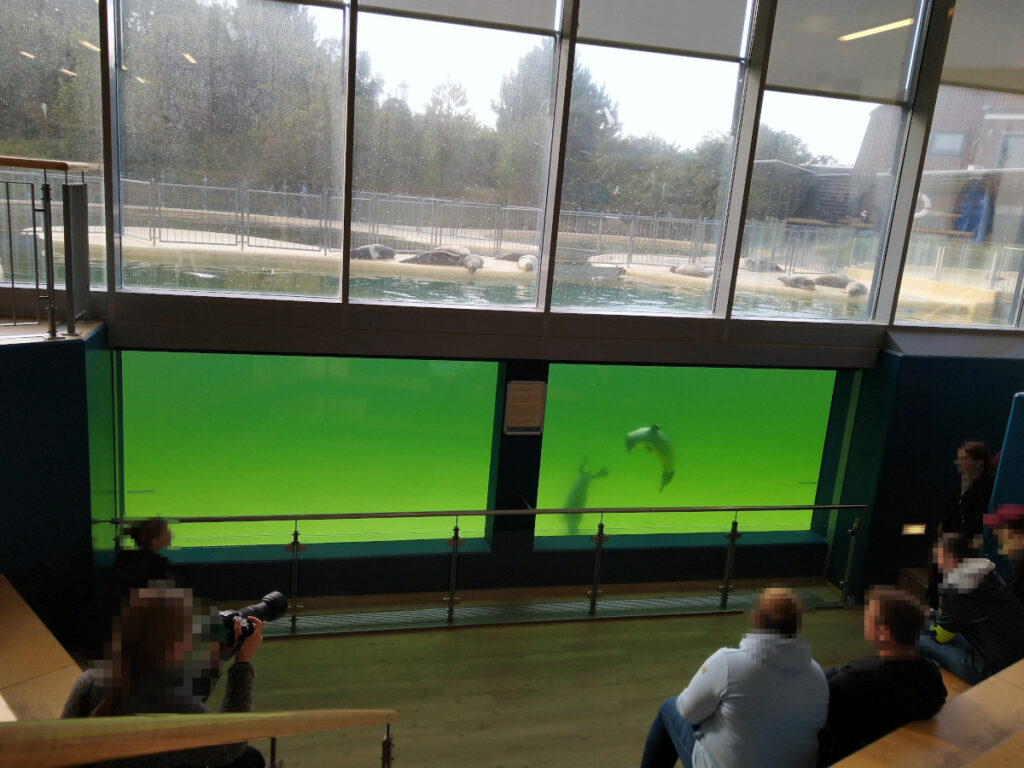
631 436
221 434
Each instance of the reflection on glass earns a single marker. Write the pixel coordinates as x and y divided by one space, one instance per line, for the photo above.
965 259
222 435
232 145
643 187
452 138
50 108
625 436
818 207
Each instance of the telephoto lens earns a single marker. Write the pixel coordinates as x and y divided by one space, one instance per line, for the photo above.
272 606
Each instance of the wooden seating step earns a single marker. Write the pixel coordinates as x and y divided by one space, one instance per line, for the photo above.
954 685
984 723
36 673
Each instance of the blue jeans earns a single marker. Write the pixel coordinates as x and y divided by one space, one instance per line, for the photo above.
670 738
958 656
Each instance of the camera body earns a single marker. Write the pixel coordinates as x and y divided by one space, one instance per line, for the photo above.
272 606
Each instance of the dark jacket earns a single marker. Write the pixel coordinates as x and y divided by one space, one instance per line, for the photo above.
88 692
964 511
975 602
868 699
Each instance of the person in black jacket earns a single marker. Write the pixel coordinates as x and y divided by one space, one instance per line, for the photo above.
980 622
870 698
1008 524
967 504
131 569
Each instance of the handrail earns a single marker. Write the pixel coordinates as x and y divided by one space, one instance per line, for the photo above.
68 166
477 513
56 743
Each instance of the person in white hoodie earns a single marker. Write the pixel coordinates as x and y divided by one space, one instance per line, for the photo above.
760 704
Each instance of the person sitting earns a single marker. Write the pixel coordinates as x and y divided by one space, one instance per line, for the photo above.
869 698
156 663
131 569
760 704
1008 524
975 602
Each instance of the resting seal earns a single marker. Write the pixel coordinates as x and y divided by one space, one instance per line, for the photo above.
376 252
832 281
691 270
761 264
803 283
856 289
528 262
445 258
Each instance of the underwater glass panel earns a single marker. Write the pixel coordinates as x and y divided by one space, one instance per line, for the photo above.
699 437
219 435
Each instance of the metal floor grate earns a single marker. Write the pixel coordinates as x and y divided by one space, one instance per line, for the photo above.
478 615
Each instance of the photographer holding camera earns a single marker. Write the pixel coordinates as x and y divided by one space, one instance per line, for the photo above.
158 662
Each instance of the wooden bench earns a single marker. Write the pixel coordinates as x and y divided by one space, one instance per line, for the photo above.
982 726
36 673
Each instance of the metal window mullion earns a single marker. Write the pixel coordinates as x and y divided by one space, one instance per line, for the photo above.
552 203
932 51
110 43
346 195
752 91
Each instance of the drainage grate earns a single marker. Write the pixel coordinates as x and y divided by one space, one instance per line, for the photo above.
478 615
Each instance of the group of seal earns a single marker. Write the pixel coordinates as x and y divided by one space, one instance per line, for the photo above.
833 280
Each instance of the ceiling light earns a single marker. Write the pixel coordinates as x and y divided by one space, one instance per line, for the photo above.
26 53
69 73
141 80
89 45
876 30
188 57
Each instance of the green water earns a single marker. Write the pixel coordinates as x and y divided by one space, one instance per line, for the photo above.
219 435
743 437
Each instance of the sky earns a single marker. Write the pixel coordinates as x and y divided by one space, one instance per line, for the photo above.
676 98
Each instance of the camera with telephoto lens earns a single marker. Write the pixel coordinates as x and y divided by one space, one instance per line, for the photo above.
272 606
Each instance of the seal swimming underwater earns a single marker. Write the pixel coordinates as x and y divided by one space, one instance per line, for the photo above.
654 440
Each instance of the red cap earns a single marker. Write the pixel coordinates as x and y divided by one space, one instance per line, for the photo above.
1006 516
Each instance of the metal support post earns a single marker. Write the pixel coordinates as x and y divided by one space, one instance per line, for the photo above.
51 303
853 531
599 541
387 747
295 548
273 741
730 557
453 571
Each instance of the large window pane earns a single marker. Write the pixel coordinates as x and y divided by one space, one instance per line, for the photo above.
965 259
644 181
50 108
232 145
839 48
222 435
818 207
704 453
450 162
713 27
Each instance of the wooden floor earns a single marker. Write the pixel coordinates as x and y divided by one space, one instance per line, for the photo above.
571 694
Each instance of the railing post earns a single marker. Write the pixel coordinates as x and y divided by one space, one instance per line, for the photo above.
295 547
51 304
453 570
730 557
599 541
853 531
386 748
